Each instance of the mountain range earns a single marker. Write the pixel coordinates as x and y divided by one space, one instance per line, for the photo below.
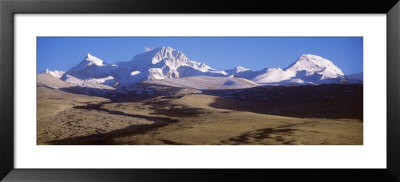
167 65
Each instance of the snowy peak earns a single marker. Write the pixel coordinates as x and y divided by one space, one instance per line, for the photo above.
236 69
92 60
169 62
90 67
167 52
55 73
310 64
313 63
307 69
88 62
241 69
158 54
158 63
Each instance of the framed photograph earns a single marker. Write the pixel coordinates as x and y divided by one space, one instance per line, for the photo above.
202 90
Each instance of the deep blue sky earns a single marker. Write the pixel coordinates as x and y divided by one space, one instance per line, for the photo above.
220 53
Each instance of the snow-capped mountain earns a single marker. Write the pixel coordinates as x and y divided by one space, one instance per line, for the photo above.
90 68
159 63
55 73
168 63
162 63
315 64
273 75
236 70
314 68
308 69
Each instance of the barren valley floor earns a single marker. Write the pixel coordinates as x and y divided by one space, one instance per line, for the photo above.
184 118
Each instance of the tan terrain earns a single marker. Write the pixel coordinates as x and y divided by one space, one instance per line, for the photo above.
186 117
51 101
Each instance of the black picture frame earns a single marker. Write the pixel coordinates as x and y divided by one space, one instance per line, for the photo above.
9 8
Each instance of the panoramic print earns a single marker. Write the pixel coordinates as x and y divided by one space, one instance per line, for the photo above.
199 91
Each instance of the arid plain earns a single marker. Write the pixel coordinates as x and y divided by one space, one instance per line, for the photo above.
161 114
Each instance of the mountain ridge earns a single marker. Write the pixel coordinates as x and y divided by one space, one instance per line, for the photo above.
168 63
